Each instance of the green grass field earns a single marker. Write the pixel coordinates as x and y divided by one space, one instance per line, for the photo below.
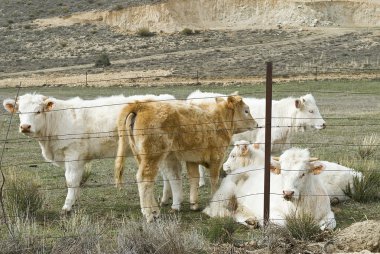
351 110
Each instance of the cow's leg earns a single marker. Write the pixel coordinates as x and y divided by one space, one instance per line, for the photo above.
167 190
201 176
214 176
193 174
173 173
145 177
73 173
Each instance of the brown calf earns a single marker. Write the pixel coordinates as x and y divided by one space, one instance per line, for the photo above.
163 133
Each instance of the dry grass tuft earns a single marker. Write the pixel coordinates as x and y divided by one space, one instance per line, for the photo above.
369 146
81 235
166 236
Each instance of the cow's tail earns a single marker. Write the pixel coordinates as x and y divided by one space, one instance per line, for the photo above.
125 124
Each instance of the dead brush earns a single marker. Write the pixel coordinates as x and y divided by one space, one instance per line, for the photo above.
166 236
80 235
22 196
26 237
368 147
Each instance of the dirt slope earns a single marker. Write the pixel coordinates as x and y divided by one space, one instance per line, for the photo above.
174 15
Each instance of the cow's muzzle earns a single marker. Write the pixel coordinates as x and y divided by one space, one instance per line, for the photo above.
320 127
288 195
25 128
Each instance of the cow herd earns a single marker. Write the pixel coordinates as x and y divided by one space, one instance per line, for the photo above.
162 133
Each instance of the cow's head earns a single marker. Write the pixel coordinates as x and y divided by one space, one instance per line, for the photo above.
239 157
296 169
308 113
242 118
32 110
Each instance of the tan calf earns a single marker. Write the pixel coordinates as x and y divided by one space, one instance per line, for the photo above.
161 133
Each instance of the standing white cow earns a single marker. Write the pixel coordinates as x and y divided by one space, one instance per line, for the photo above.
72 132
295 187
288 115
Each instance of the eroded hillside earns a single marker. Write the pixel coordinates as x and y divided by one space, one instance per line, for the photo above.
173 15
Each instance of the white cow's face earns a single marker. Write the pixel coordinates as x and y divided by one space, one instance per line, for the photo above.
296 168
308 113
32 109
239 157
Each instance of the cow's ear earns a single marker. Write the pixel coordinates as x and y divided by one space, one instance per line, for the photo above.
316 167
275 167
48 104
10 105
298 103
256 146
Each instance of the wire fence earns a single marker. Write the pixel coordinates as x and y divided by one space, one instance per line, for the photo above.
19 143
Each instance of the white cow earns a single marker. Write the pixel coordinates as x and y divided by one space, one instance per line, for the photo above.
72 132
335 177
288 115
295 188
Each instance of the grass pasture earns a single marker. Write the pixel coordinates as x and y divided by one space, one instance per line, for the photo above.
351 110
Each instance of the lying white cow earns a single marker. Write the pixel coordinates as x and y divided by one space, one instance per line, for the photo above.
288 115
72 132
295 187
335 177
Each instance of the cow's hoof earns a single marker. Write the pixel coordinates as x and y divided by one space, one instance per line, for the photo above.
201 184
173 211
164 203
65 213
194 207
334 201
252 223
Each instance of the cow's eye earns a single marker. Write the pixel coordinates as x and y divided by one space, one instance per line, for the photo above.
233 156
38 112
311 111
302 175
247 111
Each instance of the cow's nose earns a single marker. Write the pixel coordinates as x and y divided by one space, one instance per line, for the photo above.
288 194
323 125
25 127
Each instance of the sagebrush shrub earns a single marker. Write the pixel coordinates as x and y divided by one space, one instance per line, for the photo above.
144 32
103 61
368 147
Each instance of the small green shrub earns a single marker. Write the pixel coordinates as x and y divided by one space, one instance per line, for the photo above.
118 7
365 188
22 195
220 230
187 31
369 146
102 61
302 226
144 32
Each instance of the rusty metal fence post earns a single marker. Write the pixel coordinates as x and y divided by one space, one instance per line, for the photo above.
268 136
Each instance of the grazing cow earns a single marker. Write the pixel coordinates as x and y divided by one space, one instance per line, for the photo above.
288 115
335 177
72 132
161 133
295 186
